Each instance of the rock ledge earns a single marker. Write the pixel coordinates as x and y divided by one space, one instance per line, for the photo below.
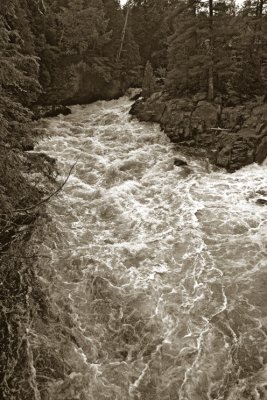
231 136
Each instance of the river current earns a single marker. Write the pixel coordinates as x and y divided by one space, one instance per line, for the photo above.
157 273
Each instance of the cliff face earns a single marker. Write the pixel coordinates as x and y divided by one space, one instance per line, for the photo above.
87 87
70 81
230 134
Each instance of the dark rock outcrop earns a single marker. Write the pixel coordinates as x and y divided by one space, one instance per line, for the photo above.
75 82
50 111
232 134
91 88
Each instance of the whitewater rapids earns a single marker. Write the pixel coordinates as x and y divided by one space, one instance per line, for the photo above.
157 273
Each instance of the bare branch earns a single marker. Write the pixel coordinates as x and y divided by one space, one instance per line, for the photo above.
219 129
45 200
24 257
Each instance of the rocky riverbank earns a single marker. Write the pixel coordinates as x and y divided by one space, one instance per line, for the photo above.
47 111
230 132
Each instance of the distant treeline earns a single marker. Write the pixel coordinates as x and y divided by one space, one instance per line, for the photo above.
192 45
204 45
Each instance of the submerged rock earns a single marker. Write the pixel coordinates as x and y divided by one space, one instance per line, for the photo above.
261 202
134 94
178 162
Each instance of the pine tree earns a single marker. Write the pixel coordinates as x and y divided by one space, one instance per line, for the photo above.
203 51
122 49
83 28
149 81
226 36
115 18
148 22
188 49
251 78
211 53
18 73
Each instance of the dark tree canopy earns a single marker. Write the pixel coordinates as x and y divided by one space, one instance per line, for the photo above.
237 43
50 47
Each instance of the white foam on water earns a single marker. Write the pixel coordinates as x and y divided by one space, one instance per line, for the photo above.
163 271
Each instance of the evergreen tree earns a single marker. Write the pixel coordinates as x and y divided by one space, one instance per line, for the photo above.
18 72
252 55
203 51
83 28
226 39
148 22
114 15
188 48
211 50
82 38
149 81
122 49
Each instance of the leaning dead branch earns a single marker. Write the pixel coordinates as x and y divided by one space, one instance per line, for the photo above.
219 129
46 199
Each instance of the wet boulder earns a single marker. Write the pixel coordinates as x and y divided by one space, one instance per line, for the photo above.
178 162
137 108
135 96
261 202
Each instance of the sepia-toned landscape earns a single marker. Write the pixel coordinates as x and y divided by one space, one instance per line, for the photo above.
133 200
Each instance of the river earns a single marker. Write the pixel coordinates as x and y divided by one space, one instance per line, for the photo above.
156 273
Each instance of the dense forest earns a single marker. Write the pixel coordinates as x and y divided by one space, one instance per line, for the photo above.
212 46
62 52
55 52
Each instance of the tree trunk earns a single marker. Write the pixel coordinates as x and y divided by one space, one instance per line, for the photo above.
211 53
123 33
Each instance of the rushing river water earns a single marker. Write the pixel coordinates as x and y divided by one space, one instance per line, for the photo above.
158 273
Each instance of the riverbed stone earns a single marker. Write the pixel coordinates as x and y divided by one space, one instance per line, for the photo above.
178 162
261 202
